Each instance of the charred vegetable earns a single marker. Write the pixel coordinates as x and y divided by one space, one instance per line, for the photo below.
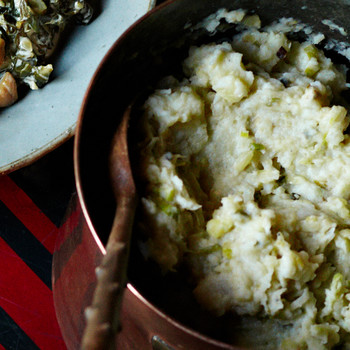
28 33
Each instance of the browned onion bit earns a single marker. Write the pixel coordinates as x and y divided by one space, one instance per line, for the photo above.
281 53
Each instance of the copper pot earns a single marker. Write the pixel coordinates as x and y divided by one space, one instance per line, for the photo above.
151 48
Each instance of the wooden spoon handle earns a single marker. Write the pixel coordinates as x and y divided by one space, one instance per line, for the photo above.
102 317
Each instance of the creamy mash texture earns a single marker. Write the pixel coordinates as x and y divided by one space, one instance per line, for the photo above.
247 168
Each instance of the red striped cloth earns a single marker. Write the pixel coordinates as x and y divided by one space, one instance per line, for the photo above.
27 241
28 213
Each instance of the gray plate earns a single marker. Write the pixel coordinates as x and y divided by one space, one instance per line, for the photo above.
46 118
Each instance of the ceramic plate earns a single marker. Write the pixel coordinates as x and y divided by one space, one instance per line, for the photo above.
46 118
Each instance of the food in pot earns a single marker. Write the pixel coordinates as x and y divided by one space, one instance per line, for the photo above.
246 165
29 31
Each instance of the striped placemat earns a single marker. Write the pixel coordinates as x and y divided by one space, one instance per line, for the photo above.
32 204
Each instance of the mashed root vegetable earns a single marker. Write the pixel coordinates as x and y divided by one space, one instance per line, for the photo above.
247 165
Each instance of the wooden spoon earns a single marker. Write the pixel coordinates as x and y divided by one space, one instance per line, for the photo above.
102 317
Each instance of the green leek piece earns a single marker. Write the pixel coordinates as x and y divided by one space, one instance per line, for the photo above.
209 250
311 51
257 146
38 6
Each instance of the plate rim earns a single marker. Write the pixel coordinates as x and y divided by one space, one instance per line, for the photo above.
35 155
